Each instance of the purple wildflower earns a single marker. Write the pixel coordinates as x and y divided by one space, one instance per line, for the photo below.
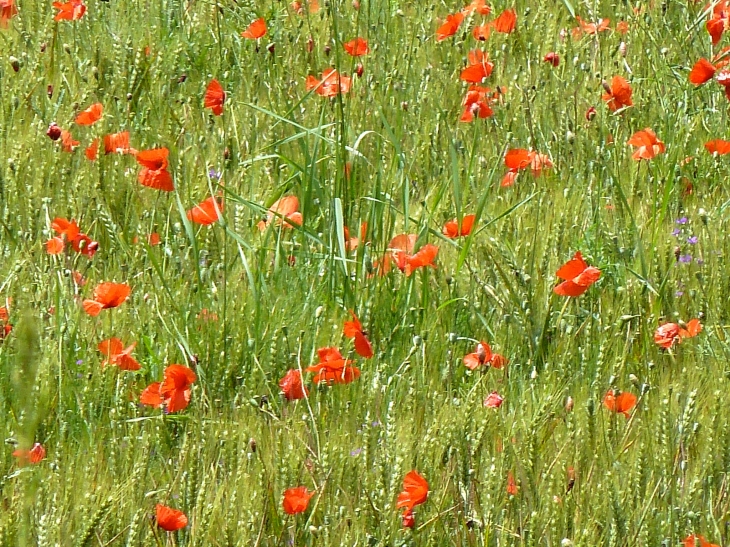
355 452
213 174
692 240
676 232
682 220
685 259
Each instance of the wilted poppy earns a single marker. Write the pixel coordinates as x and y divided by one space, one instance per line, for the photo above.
292 387
91 115
479 67
170 519
357 47
116 354
107 295
621 403
450 26
206 212
255 30
331 84
214 97
647 145
7 12
552 58
34 455
505 21
154 172
69 11
296 500
285 211
453 229
577 275
353 329
493 400
333 368
415 491
618 94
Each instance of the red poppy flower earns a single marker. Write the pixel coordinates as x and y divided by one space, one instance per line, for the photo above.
91 115
66 229
54 246
206 212
85 245
331 84
702 71
512 488
285 211
7 12
481 32
719 22
34 455
718 146
476 103
154 172
117 143
92 151
476 6
69 11
333 368
618 94
482 356
255 30
621 403
667 334
505 22
647 145
357 47
453 229
353 329
518 159
107 295
292 387
296 500
150 396
175 387
552 58
592 28
697 541
450 26
493 400
577 275
408 520
401 253
68 144
170 519
415 491
352 243
622 27
116 354
479 67
214 97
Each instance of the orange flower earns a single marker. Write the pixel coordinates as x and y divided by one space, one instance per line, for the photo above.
493 400
450 26
154 172
357 47
591 28
117 143
453 229
292 387
107 295
286 212
92 151
214 97
577 275
331 84
353 329
116 354
415 491
333 368
622 27
296 500
401 253
69 11
512 488
255 30
91 115
175 387
34 455
352 243
479 67
7 12
620 403
618 95
68 144
482 356
718 146
647 145
505 21
206 212
170 519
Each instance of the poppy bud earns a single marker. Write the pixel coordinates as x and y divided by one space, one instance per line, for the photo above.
622 49
193 361
359 70
271 48
590 113
552 58
327 49
310 45
607 87
49 91
703 216
226 153
570 137
563 34
481 353
252 445
182 78
404 105
417 340
54 132
15 63
634 380
677 252
67 49
43 47
569 404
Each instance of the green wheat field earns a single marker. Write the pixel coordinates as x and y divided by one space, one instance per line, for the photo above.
594 411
